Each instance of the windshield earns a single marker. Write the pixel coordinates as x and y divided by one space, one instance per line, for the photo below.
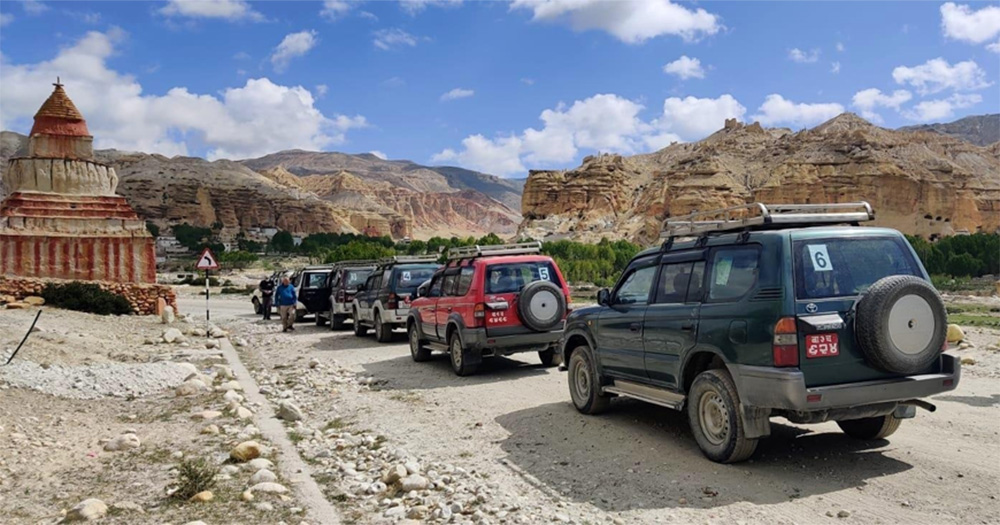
408 278
848 266
353 278
512 277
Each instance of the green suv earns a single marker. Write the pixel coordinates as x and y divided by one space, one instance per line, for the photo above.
759 311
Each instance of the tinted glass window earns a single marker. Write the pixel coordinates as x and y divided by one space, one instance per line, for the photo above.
315 280
352 278
465 280
734 272
511 277
448 288
435 290
408 278
847 267
677 279
635 289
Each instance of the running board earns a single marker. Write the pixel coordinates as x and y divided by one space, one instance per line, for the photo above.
437 346
649 394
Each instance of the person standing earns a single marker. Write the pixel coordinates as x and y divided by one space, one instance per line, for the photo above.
286 304
267 297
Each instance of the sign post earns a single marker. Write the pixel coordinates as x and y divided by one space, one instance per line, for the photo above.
207 262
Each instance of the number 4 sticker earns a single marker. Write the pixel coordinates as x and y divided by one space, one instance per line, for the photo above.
820 258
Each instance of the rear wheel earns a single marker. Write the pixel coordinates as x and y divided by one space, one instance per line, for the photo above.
257 309
584 384
383 332
359 329
548 357
459 364
418 351
713 412
870 427
320 320
336 321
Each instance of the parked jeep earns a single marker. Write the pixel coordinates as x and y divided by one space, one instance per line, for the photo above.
258 300
490 301
767 311
312 287
344 281
382 302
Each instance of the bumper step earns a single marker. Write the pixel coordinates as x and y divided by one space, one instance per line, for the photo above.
649 394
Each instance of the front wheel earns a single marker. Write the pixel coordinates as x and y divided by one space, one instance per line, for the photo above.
383 332
418 350
713 412
870 428
584 383
359 329
459 363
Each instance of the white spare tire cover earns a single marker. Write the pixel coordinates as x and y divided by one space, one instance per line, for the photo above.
541 306
901 324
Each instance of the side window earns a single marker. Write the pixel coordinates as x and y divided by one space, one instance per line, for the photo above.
635 289
450 280
465 280
435 289
696 288
674 281
734 272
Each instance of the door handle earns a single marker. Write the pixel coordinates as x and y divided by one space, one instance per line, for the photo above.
687 327
634 327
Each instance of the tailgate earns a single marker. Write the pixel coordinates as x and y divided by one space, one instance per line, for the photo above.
502 321
828 354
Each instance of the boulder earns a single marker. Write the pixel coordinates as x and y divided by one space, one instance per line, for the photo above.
269 487
288 411
123 442
34 300
203 496
263 476
87 510
173 335
260 464
191 387
955 334
245 451
413 482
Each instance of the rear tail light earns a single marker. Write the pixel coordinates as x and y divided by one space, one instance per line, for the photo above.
392 303
479 314
341 296
785 346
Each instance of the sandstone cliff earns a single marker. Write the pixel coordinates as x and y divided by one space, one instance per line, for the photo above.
919 182
981 130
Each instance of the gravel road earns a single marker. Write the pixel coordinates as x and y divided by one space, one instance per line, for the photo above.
514 426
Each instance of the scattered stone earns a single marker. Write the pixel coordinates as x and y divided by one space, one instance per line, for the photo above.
203 496
211 343
264 506
87 510
18 306
246 495
417 512
231 395
260 464
397 511
289 411
34 300
210 429
167 315
955 333
231 385
123 507
217 332
395 474
413 482
269 487
240 342
412 467
263 476
843 514
313 363
172 335
207 415
191 387
968 361
245 451
123 442
224 371
197 332
243 412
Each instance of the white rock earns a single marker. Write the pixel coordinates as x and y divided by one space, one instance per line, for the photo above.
123 442
197 332
288 411
211 343
412 467
191 387
224 371
231 385
260 464
313 363
172 335
243 413
87 510
263 506
206 415
269 487
231 395
413 482
263 476
167 316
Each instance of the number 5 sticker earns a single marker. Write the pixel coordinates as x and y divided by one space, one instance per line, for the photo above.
820 258
543 272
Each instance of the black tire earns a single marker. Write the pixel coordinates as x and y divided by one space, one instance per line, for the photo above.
870 428
457 355
713 412
336 321
901 324
256 306
300 316
585 384
554 311
383 332
359 329
418 350
548 357
320 320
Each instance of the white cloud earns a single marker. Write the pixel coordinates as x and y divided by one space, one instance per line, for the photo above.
685 68
6 18
803 57
499 156
835 68
694 118
937 74
994 47
367 15
960 22
34 7
778 110
840 47
321 90
631 21
379 154
868 100
457 93
415 6
941 109
334 9
292 46
257 118
394 37
225 9
528 81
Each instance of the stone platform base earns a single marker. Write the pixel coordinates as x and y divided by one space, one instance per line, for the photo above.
83 257
142 297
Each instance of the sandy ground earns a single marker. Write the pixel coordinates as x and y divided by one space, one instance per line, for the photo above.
514 426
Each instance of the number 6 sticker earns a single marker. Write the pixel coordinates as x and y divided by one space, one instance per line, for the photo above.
819 257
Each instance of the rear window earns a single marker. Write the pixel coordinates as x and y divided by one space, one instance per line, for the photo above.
408 278
315 280
847 267
352 278
511 277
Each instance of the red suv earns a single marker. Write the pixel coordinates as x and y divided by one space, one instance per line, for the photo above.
488 301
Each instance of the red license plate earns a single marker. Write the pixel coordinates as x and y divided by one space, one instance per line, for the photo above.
822 345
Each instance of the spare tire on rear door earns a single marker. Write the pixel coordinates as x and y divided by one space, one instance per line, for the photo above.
901 324
541 306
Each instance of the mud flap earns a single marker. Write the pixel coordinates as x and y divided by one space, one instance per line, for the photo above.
472 357
756 421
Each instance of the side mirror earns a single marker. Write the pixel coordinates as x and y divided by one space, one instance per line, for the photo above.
603 297
422 289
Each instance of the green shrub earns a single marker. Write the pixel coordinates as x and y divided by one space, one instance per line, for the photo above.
194 476
199 281
85 297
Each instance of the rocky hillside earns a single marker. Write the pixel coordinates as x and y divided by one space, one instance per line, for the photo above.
981 130
919 182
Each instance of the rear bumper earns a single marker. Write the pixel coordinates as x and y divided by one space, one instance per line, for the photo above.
477 339
777 388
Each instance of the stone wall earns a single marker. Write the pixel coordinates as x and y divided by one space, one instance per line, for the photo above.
142 297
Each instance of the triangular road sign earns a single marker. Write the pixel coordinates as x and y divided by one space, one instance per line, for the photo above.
207 261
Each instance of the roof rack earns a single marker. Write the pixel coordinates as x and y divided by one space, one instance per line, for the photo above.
357 262
407 259
761 216
521 248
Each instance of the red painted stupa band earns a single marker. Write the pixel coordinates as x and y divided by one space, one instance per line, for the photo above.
60 217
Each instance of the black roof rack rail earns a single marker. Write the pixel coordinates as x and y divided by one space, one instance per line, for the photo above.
757 216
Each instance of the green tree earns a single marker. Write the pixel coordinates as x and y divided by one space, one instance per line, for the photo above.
153 229
282 242
962 265
237 259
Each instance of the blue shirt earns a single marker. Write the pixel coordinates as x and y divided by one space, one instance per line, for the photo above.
285 295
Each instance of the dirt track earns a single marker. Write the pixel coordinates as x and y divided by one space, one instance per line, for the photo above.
513 423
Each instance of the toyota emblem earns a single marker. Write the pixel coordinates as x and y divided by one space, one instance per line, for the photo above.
811 308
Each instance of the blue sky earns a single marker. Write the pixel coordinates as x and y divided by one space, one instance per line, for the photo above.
500 87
